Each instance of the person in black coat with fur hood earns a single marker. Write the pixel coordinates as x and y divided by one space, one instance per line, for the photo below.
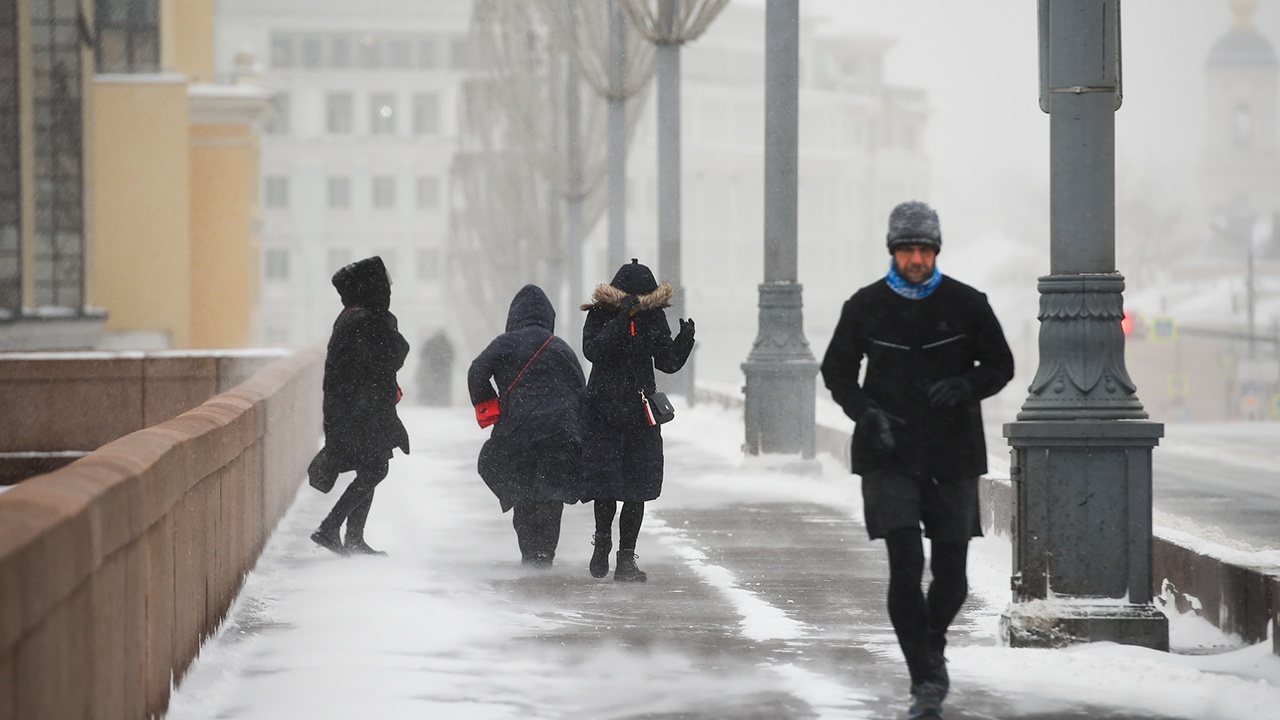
626 337
933 349
360 395
533 460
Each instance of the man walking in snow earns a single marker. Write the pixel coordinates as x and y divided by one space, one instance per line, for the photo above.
933 349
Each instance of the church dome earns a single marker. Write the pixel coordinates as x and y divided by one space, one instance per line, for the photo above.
1242 45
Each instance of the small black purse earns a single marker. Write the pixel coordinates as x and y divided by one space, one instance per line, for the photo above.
320 473
658 408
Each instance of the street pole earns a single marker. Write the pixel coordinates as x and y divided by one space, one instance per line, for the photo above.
780 370
617 249
573 211
1081 460
668 122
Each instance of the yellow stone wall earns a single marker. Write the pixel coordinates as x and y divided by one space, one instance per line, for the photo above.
224 249
141 204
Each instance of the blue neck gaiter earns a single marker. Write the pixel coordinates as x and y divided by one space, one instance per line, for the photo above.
912 292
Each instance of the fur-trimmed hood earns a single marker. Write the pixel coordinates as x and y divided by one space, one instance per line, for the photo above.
608 296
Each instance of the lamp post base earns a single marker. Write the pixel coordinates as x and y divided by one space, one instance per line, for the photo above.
1058 623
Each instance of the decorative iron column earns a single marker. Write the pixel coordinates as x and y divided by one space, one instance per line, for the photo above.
1081 457
780 370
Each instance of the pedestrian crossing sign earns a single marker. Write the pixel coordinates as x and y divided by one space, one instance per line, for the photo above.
1164 329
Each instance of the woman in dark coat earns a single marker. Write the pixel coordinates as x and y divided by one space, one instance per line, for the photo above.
533 461
625 337
360 395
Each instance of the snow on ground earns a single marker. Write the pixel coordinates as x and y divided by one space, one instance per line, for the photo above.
421 634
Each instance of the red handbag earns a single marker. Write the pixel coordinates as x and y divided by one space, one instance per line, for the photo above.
488 412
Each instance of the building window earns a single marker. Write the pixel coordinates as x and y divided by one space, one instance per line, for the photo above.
459 53
428 54
278 121
426 115
369 52
59 153
312 52
128 34
338 258
1241 126
384 192
382 114
428 263
340 51
275 264
10 170
339 113
399 53
276 191
283 51
428 192
339 192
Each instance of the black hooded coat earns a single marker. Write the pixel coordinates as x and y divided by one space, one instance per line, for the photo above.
623 453
535 451
365 351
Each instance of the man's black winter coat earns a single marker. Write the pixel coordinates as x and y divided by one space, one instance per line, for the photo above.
909 345
365 351
535 451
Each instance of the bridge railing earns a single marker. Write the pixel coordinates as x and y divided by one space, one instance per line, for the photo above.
115 567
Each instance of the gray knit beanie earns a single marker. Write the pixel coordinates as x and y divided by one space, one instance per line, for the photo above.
914 223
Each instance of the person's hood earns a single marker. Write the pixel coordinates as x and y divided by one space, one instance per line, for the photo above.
364 283
611 296
634 279
531 306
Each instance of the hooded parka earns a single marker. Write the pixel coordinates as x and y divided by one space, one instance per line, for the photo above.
623 453
365 351
535 451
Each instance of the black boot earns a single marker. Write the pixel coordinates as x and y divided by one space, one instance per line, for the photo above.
600 556
329 540
359 547
627 570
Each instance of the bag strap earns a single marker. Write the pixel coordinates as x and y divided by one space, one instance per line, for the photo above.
526 366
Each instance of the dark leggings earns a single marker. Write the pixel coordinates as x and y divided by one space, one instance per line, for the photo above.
921 621
628 523
353 506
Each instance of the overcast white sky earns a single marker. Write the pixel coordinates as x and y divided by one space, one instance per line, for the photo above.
978 61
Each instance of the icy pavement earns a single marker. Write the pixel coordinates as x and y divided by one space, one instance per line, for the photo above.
765 600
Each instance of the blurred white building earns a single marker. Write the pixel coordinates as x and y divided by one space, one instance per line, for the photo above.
357 160
861 152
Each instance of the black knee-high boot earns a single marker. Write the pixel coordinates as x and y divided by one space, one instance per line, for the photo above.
603 539
629 532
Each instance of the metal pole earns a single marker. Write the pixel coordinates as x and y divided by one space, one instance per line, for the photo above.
1081 461
573 146
780 370
617 249
668 122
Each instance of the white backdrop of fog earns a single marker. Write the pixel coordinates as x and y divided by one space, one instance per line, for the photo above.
988 139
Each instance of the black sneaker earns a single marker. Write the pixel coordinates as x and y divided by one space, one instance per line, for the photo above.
938 670
329 540
926 701
599 565
360 547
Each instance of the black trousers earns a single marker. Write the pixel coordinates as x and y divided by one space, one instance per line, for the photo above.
921 620
537 524
353 507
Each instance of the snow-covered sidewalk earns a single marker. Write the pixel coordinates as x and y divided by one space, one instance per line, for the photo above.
765 600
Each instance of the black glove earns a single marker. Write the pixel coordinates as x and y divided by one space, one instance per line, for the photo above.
880 427
686 326
950 392
628 305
